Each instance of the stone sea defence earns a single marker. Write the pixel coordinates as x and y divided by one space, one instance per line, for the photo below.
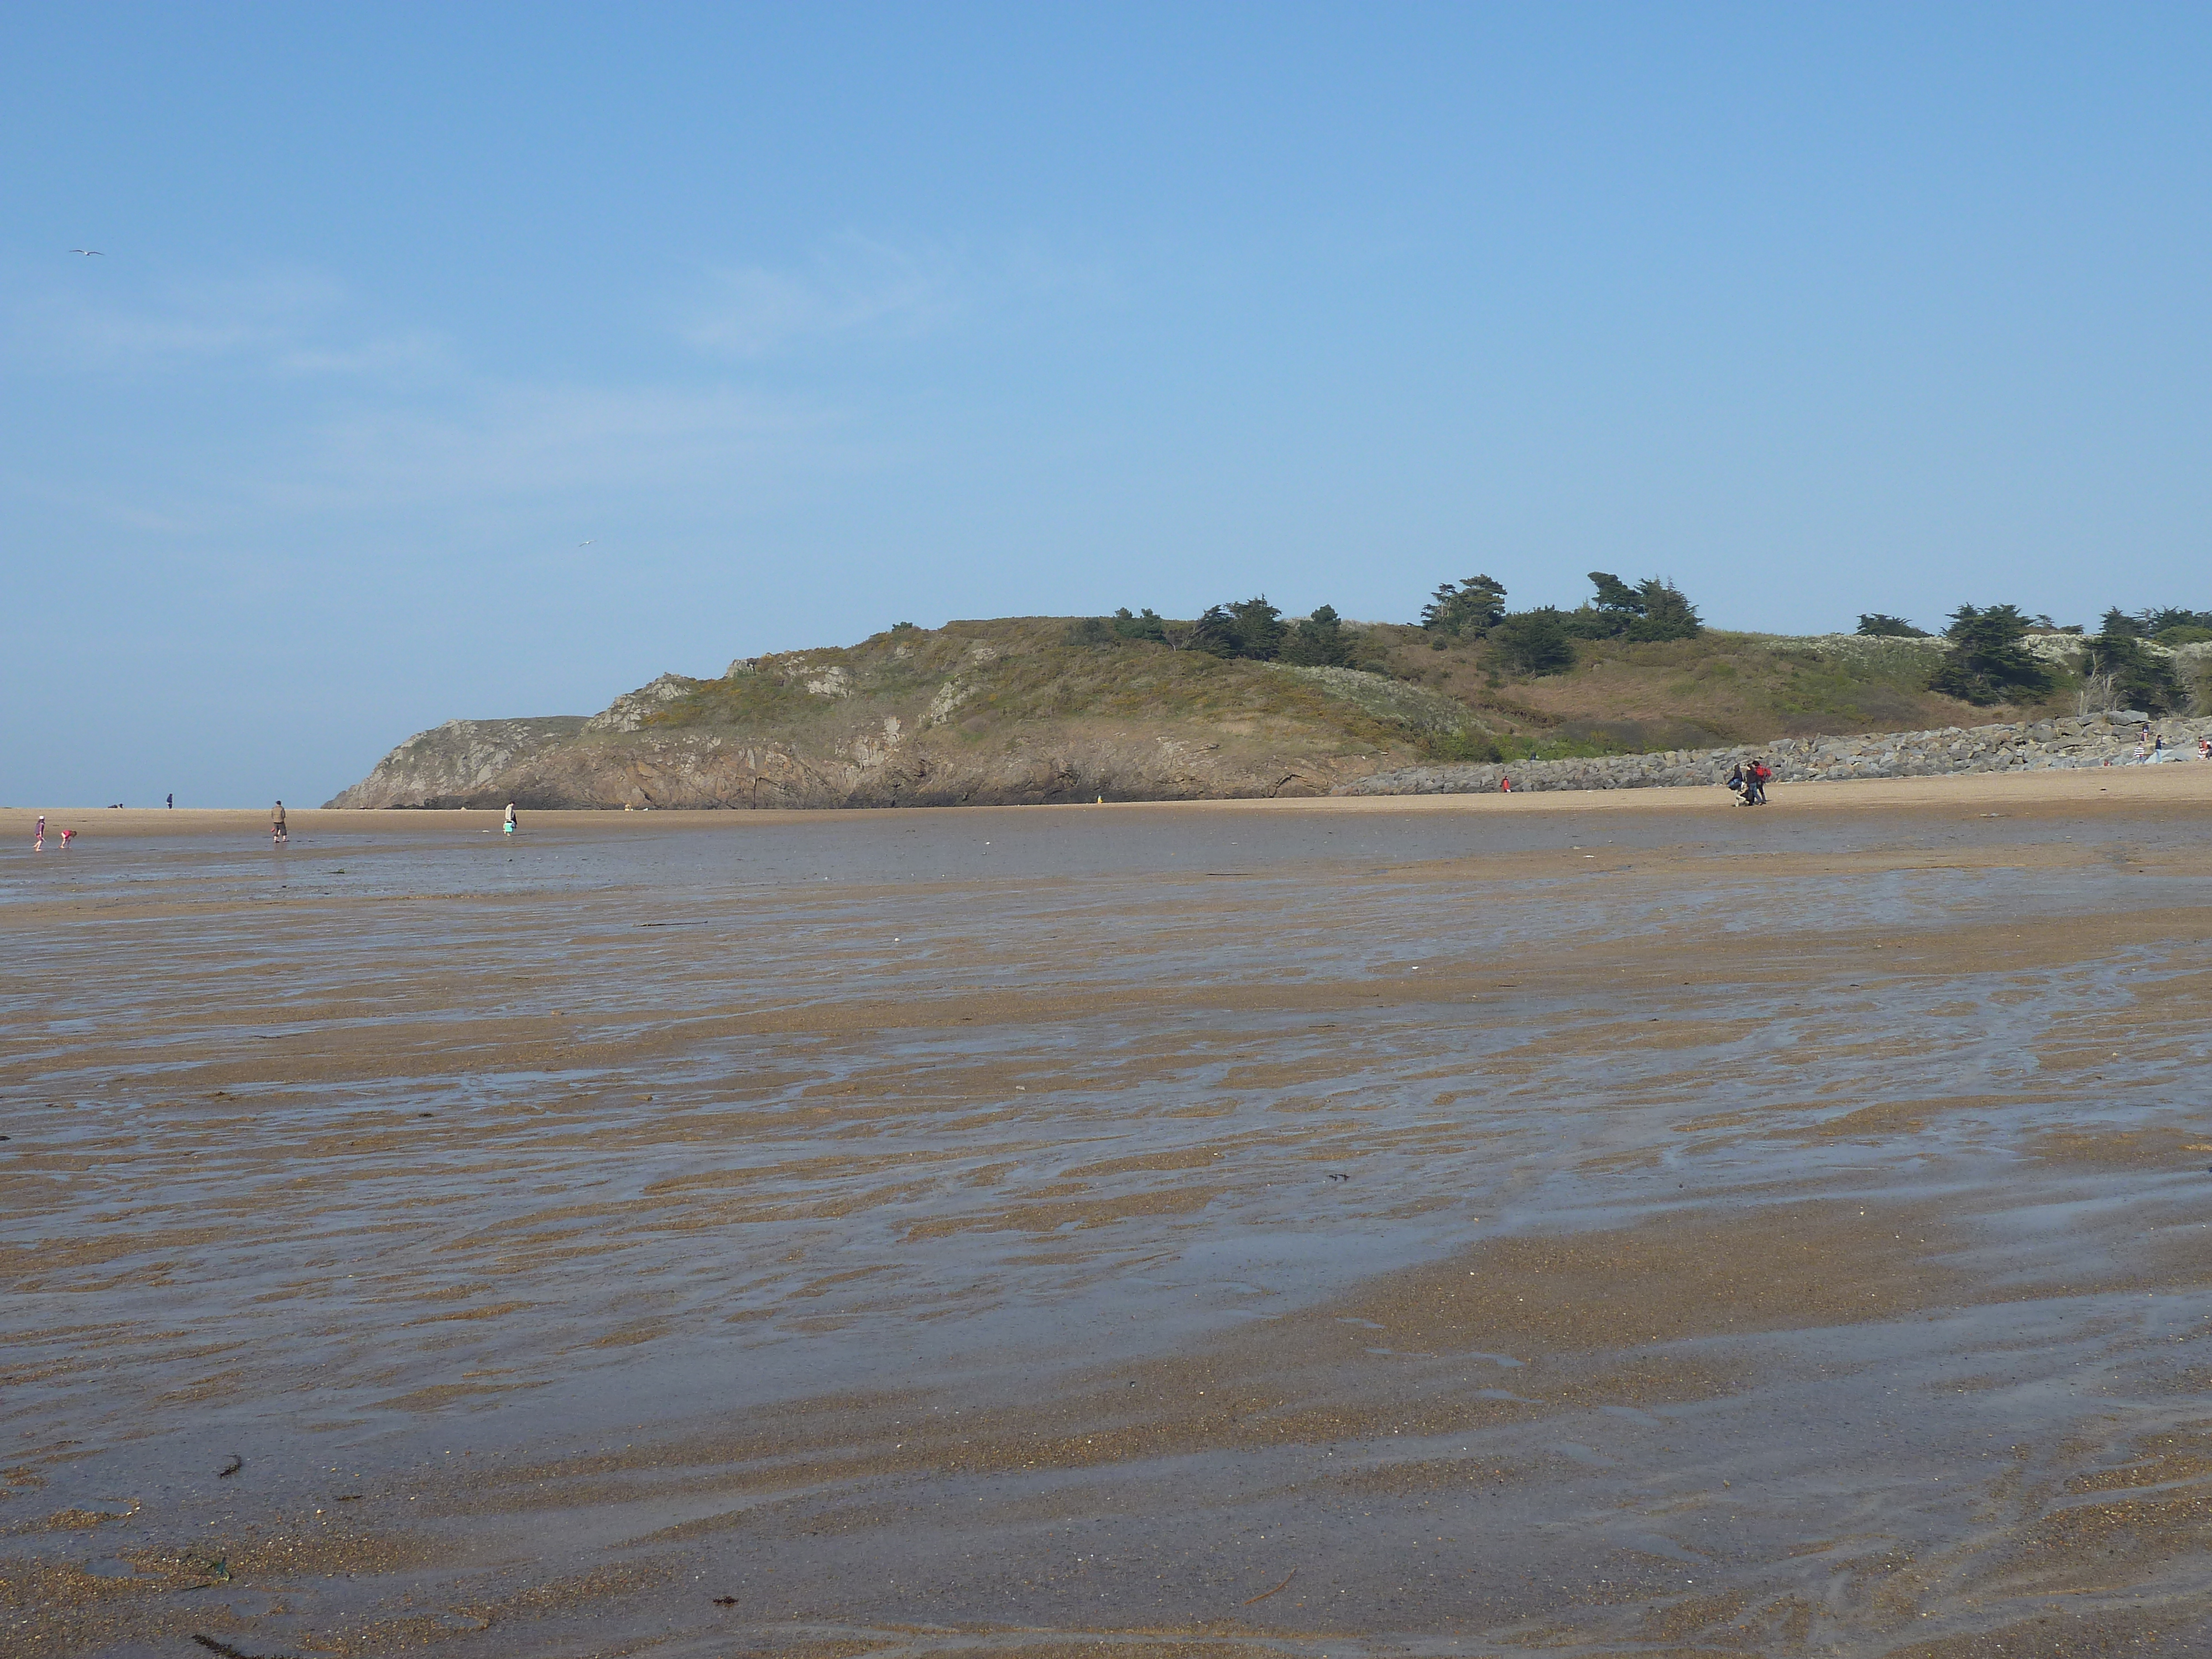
2083 740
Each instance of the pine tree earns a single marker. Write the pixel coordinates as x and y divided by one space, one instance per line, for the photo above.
1466 611
2139 678
1318 640
1986 662
1666 612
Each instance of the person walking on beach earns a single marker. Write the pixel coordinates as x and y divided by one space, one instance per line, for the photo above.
39 835
277 836
1736 782
1755 783
172 801
507 825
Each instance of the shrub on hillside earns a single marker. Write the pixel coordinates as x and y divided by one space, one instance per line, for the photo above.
1145 625
1533 642
1462 745
1877 625
1250 627
1320 641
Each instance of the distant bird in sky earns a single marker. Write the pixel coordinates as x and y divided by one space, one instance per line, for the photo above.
583 544
89 252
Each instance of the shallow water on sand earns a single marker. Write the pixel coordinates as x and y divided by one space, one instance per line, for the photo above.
941 1231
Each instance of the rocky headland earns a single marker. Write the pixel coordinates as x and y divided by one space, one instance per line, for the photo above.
1038 710
990 713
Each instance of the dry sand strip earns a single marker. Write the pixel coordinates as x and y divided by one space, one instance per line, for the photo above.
2180 783
1729 1243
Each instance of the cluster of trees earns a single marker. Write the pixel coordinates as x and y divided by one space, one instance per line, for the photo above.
1987 659
1541 641
1251 628
1254 629
1537 642
2130 676
2163 624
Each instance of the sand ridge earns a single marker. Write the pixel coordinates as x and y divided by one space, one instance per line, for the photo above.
1002 1228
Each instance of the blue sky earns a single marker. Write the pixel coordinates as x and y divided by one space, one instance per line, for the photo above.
809 320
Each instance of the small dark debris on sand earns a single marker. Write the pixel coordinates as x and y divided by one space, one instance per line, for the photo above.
222 1648
230 1468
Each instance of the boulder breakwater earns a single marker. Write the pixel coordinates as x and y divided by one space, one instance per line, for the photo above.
2105 739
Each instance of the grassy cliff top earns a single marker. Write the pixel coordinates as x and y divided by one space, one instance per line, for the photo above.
1448 697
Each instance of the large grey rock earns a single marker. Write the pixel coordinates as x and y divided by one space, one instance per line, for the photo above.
627 713
457 758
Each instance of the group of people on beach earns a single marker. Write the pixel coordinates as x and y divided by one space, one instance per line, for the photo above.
1749 780
2151 746
279 836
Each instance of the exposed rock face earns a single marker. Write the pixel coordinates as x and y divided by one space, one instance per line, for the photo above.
460 757
2089 740
630 711
887 768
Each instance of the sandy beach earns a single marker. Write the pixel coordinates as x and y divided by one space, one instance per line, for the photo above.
1603 1223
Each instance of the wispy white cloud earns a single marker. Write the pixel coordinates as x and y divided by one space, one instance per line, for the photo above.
857 287
507 442
514 452
336 413
404 356
286 322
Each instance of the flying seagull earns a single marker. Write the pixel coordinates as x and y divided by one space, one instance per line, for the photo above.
90 252
583 544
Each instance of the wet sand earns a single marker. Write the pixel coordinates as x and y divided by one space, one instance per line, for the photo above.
1605 1225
